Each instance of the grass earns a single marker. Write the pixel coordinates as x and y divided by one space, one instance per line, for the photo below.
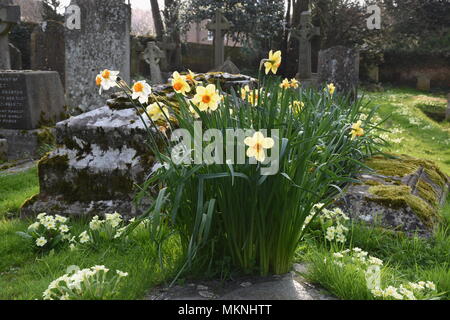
25 274
15 189
421 136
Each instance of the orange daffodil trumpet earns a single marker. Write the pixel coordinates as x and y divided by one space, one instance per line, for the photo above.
357 131
274 62
191 77
106 80
207 98
180 84
257 144
141 91
156 113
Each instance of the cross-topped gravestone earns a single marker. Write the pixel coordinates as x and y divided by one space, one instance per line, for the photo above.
219 24
167 45
9 15
306 32
153 55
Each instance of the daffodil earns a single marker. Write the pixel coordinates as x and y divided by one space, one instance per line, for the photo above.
156 112
285 84
106 80
294 83
194 112
191 77
250 95
180 84
207 98
141 91
257 144
357 131
331 88
274 62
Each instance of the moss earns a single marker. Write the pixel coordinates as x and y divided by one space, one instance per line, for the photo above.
401 197
45 136
60 163
427 192
30 201
372 182
400 167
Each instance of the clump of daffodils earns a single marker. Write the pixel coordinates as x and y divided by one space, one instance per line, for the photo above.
95 283
48 231
333 222
360 261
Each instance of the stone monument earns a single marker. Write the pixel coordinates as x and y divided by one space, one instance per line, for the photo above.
304 35
153 55
9 15
340 66
219 25
102 41
423 82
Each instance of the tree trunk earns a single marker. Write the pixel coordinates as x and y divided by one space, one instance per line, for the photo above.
157 20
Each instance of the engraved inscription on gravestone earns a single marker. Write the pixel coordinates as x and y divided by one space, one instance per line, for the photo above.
13 101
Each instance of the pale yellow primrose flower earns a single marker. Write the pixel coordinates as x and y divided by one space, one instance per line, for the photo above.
357 131
141 91
257 144
106 80
180 84
155 112
207 98
273 62
40 242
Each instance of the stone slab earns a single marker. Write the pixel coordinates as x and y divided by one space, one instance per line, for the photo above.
23 144
29 99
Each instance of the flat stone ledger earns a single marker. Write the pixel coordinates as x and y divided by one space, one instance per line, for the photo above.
29 99
103 42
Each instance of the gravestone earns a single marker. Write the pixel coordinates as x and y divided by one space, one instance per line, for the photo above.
47 48
340 66
15 57
153 55
304 35
167 46
228 67
373 73
101 42
102 155
423 82
219 25
9 15
28 100
3 150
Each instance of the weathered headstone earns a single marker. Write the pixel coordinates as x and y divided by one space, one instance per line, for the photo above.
9 15
168 47
219 25
228 67
306 32
47 48
102 41
340 66
423 82
28 100
373 73
3 150
153 55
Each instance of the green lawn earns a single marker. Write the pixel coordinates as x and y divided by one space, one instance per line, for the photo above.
25 274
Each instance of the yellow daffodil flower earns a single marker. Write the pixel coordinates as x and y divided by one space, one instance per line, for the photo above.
331 88
273 62
179 83
250 95
207 98
155 113
191 77
193 112
141 91
357 131
257 144
106 79
285 84
294 83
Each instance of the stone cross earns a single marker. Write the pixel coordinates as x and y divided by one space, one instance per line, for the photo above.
167 46
219 24
9 15
306 32
153 55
